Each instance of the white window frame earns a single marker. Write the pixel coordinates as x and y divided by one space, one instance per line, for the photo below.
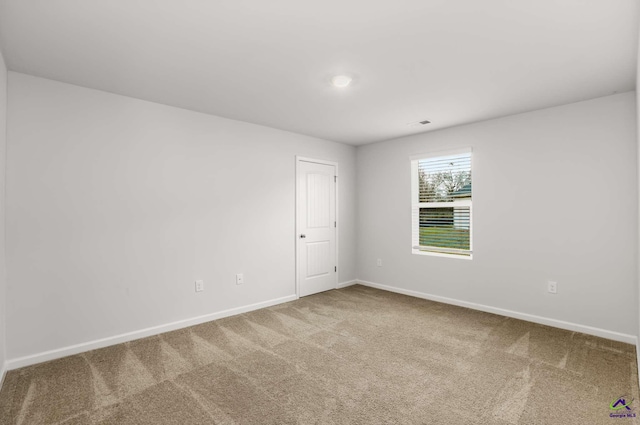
416 205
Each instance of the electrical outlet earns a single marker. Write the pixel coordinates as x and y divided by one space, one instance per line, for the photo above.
239 279
379 262
199 285
552 287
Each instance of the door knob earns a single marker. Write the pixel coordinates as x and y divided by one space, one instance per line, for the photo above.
303 236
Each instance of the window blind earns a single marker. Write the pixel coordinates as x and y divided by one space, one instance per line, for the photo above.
442 204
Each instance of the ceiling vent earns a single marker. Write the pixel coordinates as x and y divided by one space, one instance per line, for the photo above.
418 123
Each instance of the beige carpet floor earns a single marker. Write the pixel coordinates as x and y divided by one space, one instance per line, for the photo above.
352 356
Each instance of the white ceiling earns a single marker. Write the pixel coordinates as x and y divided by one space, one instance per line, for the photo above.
269 62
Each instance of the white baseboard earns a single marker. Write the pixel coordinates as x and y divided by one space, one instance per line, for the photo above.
130 336
638 358
3 373
603 333
345 284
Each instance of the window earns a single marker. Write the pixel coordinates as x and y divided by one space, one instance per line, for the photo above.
441 204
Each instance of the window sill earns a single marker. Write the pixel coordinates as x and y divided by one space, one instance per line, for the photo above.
442 254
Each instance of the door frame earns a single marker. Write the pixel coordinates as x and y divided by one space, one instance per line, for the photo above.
298 219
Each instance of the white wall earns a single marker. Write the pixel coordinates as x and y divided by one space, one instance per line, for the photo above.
3 278
555 197
115 206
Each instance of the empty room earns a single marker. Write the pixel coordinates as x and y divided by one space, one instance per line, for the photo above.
304 212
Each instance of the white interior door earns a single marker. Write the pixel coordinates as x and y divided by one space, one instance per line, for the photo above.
316 224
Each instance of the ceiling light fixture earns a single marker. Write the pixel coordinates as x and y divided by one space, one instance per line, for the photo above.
341 81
